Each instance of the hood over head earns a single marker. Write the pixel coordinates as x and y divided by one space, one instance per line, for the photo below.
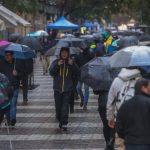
64 49
127 74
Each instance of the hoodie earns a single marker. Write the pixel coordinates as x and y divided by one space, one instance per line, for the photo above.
63 75
123 76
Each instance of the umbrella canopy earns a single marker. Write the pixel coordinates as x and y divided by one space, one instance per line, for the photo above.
20 51
72 43
127 41
4 43
14 37
33 34
61 24
144 37
32 42
98 74
132 56
89 25
42 33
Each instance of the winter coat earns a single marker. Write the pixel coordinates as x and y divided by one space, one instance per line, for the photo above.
124 75
83 58
133 120
100 50
7 69
63 76
26 66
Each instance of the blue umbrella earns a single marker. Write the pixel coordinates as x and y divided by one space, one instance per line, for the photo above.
133 56
33 34
88 25
20 51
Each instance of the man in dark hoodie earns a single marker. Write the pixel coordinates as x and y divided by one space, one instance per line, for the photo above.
133 119
63 70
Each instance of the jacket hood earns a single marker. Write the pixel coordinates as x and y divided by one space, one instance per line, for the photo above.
127 74
64 49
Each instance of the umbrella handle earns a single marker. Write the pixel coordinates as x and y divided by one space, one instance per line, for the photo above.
15 64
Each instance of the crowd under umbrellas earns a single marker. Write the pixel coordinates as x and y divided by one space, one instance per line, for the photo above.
97 73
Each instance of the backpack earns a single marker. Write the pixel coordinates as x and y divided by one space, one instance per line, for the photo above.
3 94
5 91
127 92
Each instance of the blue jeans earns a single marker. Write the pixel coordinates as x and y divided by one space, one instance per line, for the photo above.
137 147
84 97
13 105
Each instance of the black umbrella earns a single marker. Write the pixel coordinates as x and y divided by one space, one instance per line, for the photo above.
32 42
98 74
144 37
14 37
127 41
72 43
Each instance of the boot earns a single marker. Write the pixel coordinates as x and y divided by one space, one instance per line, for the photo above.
85 106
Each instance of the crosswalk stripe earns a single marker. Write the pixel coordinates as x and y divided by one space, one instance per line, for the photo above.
34 115
55 125
50 107
50 137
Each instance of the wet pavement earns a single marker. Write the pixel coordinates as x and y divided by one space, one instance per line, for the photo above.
37 128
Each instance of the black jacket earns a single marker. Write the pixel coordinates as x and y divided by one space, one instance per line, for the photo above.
63 76
25 67
7 69
102 98
133 120
83 58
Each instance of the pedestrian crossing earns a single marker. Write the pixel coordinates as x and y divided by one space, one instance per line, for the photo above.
37 128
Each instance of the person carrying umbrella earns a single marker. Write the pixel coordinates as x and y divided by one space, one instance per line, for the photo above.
81 59
63 70
45 59
10 69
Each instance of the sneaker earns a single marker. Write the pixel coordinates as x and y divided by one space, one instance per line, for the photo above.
81 103
13 122
85 107
64 127
60 125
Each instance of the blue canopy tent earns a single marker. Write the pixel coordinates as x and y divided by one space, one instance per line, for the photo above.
61 24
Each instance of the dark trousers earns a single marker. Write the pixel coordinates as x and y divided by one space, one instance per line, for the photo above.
109 133
72 101
25 87
3 112
137 147
62 101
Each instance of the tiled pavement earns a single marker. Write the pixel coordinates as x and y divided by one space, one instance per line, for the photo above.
37 128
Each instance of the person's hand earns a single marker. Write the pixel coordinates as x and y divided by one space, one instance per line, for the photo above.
14 73
70 61
111 123
60 62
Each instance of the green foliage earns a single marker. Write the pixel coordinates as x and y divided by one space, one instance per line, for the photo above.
138 9
28 6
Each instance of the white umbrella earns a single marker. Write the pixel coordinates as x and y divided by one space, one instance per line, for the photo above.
42 33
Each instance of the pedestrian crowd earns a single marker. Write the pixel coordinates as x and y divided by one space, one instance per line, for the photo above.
124 108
